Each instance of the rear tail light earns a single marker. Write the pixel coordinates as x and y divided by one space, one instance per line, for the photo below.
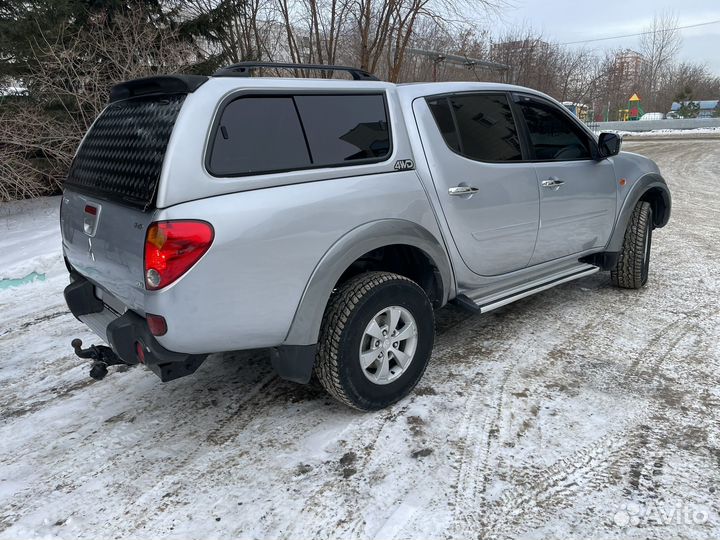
172 247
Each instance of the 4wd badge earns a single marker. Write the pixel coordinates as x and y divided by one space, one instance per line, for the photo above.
404 165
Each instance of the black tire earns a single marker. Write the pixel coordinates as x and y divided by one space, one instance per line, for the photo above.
349 311
633 265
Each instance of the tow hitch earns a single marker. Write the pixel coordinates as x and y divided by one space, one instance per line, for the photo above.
101 356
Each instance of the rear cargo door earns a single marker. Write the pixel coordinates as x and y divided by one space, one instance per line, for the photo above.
109 196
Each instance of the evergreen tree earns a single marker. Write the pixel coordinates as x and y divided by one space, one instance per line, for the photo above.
688 107
26 26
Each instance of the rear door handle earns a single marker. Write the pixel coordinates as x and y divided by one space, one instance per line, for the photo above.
462 190
552 183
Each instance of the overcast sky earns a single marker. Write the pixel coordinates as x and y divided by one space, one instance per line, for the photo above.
572 20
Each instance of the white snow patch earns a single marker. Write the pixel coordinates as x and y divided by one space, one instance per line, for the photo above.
666 132
31 239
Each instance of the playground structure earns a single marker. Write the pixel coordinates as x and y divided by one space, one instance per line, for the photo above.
634 110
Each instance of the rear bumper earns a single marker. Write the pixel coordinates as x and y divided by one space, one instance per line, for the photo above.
124 332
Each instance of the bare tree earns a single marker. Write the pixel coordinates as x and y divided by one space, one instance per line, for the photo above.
659 46
314 29
230 30
531 58
688 78
372 19
68 89
388 27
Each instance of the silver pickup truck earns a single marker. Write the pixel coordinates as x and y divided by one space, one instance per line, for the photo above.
327 219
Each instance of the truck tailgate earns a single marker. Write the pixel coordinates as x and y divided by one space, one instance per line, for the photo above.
104 241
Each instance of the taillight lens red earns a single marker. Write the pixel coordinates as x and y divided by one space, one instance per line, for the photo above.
172 247
157 324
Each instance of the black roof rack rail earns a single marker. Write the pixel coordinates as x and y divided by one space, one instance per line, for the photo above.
244 69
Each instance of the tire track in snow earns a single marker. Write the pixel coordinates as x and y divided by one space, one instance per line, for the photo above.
37 319
480 425
476 439
322 507
174 473
167 473
529 504
329 503
590 468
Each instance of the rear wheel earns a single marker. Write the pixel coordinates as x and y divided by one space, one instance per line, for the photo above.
633 266
376 340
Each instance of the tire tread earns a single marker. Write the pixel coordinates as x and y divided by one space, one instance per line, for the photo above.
337 314
628 272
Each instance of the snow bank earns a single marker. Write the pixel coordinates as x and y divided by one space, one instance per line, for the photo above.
31 238
666 132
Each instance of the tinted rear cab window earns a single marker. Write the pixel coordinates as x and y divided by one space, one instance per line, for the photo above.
478 126
262 134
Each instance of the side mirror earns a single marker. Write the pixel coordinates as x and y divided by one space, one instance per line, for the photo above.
609 144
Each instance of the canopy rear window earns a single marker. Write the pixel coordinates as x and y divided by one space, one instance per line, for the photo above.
259 134
122 155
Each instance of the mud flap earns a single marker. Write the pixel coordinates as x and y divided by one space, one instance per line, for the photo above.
294 362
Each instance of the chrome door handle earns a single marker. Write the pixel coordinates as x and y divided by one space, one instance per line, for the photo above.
552 183
462 190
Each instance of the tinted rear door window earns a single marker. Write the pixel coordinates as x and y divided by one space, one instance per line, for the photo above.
347 128
553 136
478 126
440 108
259 134
486 126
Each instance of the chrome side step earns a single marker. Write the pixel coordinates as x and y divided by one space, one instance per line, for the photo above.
483 304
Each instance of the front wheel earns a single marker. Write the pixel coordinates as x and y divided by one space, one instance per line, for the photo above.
633 265
376 340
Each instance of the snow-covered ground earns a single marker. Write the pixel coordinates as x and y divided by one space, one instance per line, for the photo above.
695 132
30 237
584 411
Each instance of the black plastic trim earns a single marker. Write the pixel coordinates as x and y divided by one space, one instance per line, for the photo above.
294 362
605 260
130 328
163 84
466 302
126 330
174 370
80 297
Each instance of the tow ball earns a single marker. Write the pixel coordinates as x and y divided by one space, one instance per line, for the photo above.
101 356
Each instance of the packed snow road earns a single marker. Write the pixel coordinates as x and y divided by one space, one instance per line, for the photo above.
585 411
